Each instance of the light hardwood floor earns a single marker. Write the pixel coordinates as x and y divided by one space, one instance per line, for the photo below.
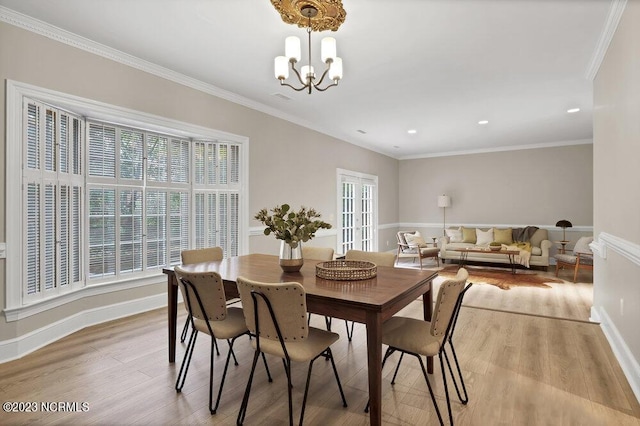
519 370
567 300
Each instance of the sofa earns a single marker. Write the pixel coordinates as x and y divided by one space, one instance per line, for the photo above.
530 238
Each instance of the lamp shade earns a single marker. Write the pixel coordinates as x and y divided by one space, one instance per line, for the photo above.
564 224
444 201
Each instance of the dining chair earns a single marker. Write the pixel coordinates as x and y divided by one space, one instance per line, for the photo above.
204 297
462 389
276 314
317 253
188 257
321 254
379 258
427 338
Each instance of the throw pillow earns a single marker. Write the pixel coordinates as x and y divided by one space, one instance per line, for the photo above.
455 235
503 236
415 239
469 235
483 238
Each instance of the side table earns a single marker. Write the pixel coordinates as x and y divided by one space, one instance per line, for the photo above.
562 245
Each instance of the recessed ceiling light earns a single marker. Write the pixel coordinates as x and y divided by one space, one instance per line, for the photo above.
572 110
483 122
412 131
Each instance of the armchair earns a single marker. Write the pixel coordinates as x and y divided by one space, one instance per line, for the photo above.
582 257
411 244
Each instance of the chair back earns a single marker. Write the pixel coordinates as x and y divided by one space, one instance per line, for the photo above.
379 258
203 294
582 245
274 311
208 254
446 304
317 253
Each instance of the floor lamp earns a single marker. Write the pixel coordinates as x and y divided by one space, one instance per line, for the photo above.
444 201
564 224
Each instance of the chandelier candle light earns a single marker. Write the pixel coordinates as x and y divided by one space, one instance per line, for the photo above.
306 76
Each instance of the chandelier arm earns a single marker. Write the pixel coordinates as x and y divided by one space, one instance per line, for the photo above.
293 67
335 83
322 76
282 83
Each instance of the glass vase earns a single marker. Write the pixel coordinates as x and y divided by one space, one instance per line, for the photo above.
290 258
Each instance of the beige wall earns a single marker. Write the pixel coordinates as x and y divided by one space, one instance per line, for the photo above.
617 191
284 158
525 187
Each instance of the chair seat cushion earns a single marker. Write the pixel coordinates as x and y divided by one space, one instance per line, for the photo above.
570 259
411 335
566 258
304 350
429 251
233 325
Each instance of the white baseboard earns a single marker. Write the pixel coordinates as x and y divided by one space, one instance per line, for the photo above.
25 344
625 357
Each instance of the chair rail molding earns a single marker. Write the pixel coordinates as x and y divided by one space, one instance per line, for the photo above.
606 241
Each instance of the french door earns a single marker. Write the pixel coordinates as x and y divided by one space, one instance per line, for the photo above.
357 211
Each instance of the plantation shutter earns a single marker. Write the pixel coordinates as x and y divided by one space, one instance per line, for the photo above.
131 153
156 228
53 182
102 150
130 230
157 157
178 224
102 232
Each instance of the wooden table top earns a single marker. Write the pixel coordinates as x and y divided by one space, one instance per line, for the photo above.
380 291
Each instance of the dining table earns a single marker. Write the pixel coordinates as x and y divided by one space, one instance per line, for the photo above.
371 301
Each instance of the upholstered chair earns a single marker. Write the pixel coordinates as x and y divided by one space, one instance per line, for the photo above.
379 258
204 296
581 258
317 253
276 314
209 254
412 245
421 338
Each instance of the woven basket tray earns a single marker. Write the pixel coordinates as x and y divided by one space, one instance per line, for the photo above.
346 270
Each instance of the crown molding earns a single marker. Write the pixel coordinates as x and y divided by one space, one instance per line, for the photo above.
36 26
609 29
502 149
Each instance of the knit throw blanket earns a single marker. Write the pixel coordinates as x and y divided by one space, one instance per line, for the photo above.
524 234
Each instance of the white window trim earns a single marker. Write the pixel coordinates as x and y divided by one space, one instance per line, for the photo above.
15 91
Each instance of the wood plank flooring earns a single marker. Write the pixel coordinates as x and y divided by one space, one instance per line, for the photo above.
519 370
566 300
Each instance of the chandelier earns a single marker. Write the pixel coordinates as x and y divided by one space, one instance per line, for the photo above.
306 76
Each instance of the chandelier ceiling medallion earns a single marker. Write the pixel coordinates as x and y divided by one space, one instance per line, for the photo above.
314 15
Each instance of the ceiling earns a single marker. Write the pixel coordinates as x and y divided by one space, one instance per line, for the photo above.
436 66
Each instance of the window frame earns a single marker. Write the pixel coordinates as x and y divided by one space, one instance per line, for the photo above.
15 307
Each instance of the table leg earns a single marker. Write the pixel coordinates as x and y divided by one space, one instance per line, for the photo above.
427 310
513 264
172 311
374 361
463 259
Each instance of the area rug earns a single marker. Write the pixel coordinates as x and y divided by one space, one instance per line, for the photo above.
502 278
